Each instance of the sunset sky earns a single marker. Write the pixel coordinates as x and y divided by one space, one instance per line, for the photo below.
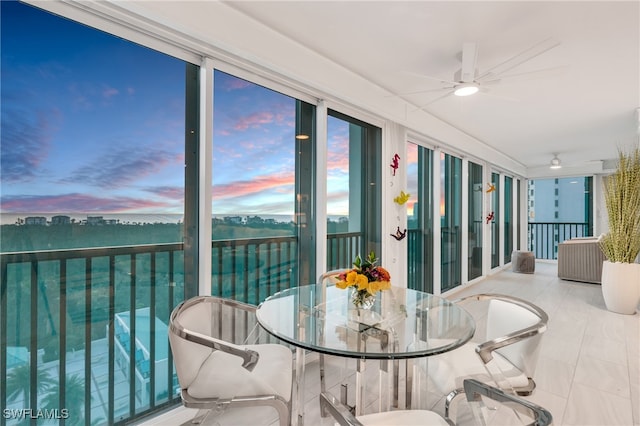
95 124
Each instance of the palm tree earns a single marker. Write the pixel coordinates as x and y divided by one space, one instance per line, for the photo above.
74 399
19 382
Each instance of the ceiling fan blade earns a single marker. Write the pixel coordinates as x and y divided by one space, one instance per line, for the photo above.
521 58
440 80
485 92
469 60
417 92
541 73
450 92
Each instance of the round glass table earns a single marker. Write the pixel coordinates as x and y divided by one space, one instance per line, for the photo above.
402 324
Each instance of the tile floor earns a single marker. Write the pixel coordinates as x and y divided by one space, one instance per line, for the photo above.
588 372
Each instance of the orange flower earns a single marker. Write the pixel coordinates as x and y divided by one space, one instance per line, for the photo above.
366 276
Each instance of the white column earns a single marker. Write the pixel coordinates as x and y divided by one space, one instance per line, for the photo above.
394 252
205 155
321 187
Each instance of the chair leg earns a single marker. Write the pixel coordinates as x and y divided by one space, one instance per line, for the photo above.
323 385
447 403
199 418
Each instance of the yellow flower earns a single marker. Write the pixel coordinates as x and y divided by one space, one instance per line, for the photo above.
374 286
362 282
342 285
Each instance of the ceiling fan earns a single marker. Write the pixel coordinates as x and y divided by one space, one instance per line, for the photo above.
468 81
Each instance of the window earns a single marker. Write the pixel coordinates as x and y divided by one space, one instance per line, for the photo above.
564 205
495 228
353 189
450 220
476 193
262 222
93 156
420 218
508 218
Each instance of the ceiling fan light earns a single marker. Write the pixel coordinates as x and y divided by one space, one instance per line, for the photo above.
466 89
555 163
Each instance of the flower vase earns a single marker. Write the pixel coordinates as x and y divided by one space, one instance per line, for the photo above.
362 299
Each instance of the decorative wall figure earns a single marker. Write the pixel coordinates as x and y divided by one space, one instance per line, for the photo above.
489 217
491 188
402 198
395 163
399 235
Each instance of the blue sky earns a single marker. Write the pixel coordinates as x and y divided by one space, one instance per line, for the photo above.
73 136
92 123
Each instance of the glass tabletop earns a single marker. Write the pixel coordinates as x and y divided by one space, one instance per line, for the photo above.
402 323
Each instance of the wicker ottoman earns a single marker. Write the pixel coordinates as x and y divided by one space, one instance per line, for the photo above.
523 262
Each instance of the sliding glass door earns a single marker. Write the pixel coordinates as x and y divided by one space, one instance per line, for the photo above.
494 220
508 218
475 222
420 218
353 189
262 198
450 221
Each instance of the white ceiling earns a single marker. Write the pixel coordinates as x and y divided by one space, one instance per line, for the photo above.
372 53
583 109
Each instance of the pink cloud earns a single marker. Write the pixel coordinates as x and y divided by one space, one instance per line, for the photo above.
254 120
236 84
338 160
72 203
412 155
254 186
171 192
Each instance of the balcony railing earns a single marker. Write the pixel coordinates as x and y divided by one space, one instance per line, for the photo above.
544 237
85 330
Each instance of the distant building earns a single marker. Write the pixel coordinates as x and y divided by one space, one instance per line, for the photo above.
95 220
35 220
60 220
236 220
255 220
142 352
558 209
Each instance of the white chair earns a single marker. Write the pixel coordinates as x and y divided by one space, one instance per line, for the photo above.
507 356
476 392
216 373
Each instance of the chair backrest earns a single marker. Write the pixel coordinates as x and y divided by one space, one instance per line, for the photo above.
330 277
193 315
511 316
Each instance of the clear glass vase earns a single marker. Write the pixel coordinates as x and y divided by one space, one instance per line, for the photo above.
362 299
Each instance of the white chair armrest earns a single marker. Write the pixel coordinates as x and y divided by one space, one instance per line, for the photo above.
339 411
485 350
475 390
249 358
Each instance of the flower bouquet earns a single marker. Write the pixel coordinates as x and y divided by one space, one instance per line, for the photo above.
366 279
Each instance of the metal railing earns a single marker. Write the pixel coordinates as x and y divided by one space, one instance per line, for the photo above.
342 249
85 329
544 237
